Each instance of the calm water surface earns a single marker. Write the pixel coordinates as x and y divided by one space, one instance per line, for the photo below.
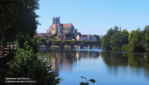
106 67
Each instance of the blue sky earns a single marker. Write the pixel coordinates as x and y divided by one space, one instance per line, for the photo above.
94 16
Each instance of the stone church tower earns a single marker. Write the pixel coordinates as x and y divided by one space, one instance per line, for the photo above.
58 28
56 20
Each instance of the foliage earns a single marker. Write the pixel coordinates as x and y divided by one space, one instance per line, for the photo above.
146 36
23 38
118 39
59 36
106 38
35 39
18 15
135 40
42 40
58 41
125 47
91 80
79 33
72 37
98 37
51 37
55 35
27 64
50 41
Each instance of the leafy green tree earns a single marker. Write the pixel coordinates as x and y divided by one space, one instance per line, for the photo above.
54 35
35 39
27 64
98 37
135 40
18 15
23 38
51 37
146 36
118 39
79 33
72 37
41 40
106 39
124 47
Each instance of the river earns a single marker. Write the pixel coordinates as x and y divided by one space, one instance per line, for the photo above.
106 67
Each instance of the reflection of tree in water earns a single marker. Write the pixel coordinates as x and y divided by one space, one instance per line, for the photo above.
134 60
114 59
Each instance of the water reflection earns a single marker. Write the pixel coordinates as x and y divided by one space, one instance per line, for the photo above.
137 62
63 59
116 63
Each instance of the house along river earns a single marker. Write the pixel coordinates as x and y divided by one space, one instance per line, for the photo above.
106 67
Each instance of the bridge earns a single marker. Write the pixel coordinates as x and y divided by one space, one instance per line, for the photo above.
72 44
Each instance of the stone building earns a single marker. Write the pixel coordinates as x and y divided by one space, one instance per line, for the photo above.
86 37
58 28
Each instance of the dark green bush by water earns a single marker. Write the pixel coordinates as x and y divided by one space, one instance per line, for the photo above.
27 64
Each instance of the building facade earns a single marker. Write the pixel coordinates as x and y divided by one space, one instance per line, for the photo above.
86 37
58 28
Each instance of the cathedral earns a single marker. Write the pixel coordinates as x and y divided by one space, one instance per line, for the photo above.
58 28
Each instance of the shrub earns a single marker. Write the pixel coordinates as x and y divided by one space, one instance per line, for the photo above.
22 38
27 64
58 41
124 47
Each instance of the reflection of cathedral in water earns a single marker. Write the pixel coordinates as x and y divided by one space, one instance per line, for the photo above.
65 59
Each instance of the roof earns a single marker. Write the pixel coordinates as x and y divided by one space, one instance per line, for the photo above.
84 35
67 25
41 36
47 35
59 34
53 26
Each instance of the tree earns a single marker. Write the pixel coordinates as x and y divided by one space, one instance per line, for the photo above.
98 37
79 33
134 39
72 37
146 36
106 39
55 35
51 37
118 39
42 40
18 15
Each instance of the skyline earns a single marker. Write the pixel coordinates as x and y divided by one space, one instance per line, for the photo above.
94 16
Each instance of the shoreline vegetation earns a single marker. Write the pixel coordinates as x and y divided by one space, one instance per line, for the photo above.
136 41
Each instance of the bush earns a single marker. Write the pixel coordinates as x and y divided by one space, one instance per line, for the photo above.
22 38
27 64
58 41
124 47
42 40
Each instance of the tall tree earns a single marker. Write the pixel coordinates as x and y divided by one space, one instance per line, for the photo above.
134 39
118 39
146 36
106 39
17 16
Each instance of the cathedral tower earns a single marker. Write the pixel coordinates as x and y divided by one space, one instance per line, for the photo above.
56 20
